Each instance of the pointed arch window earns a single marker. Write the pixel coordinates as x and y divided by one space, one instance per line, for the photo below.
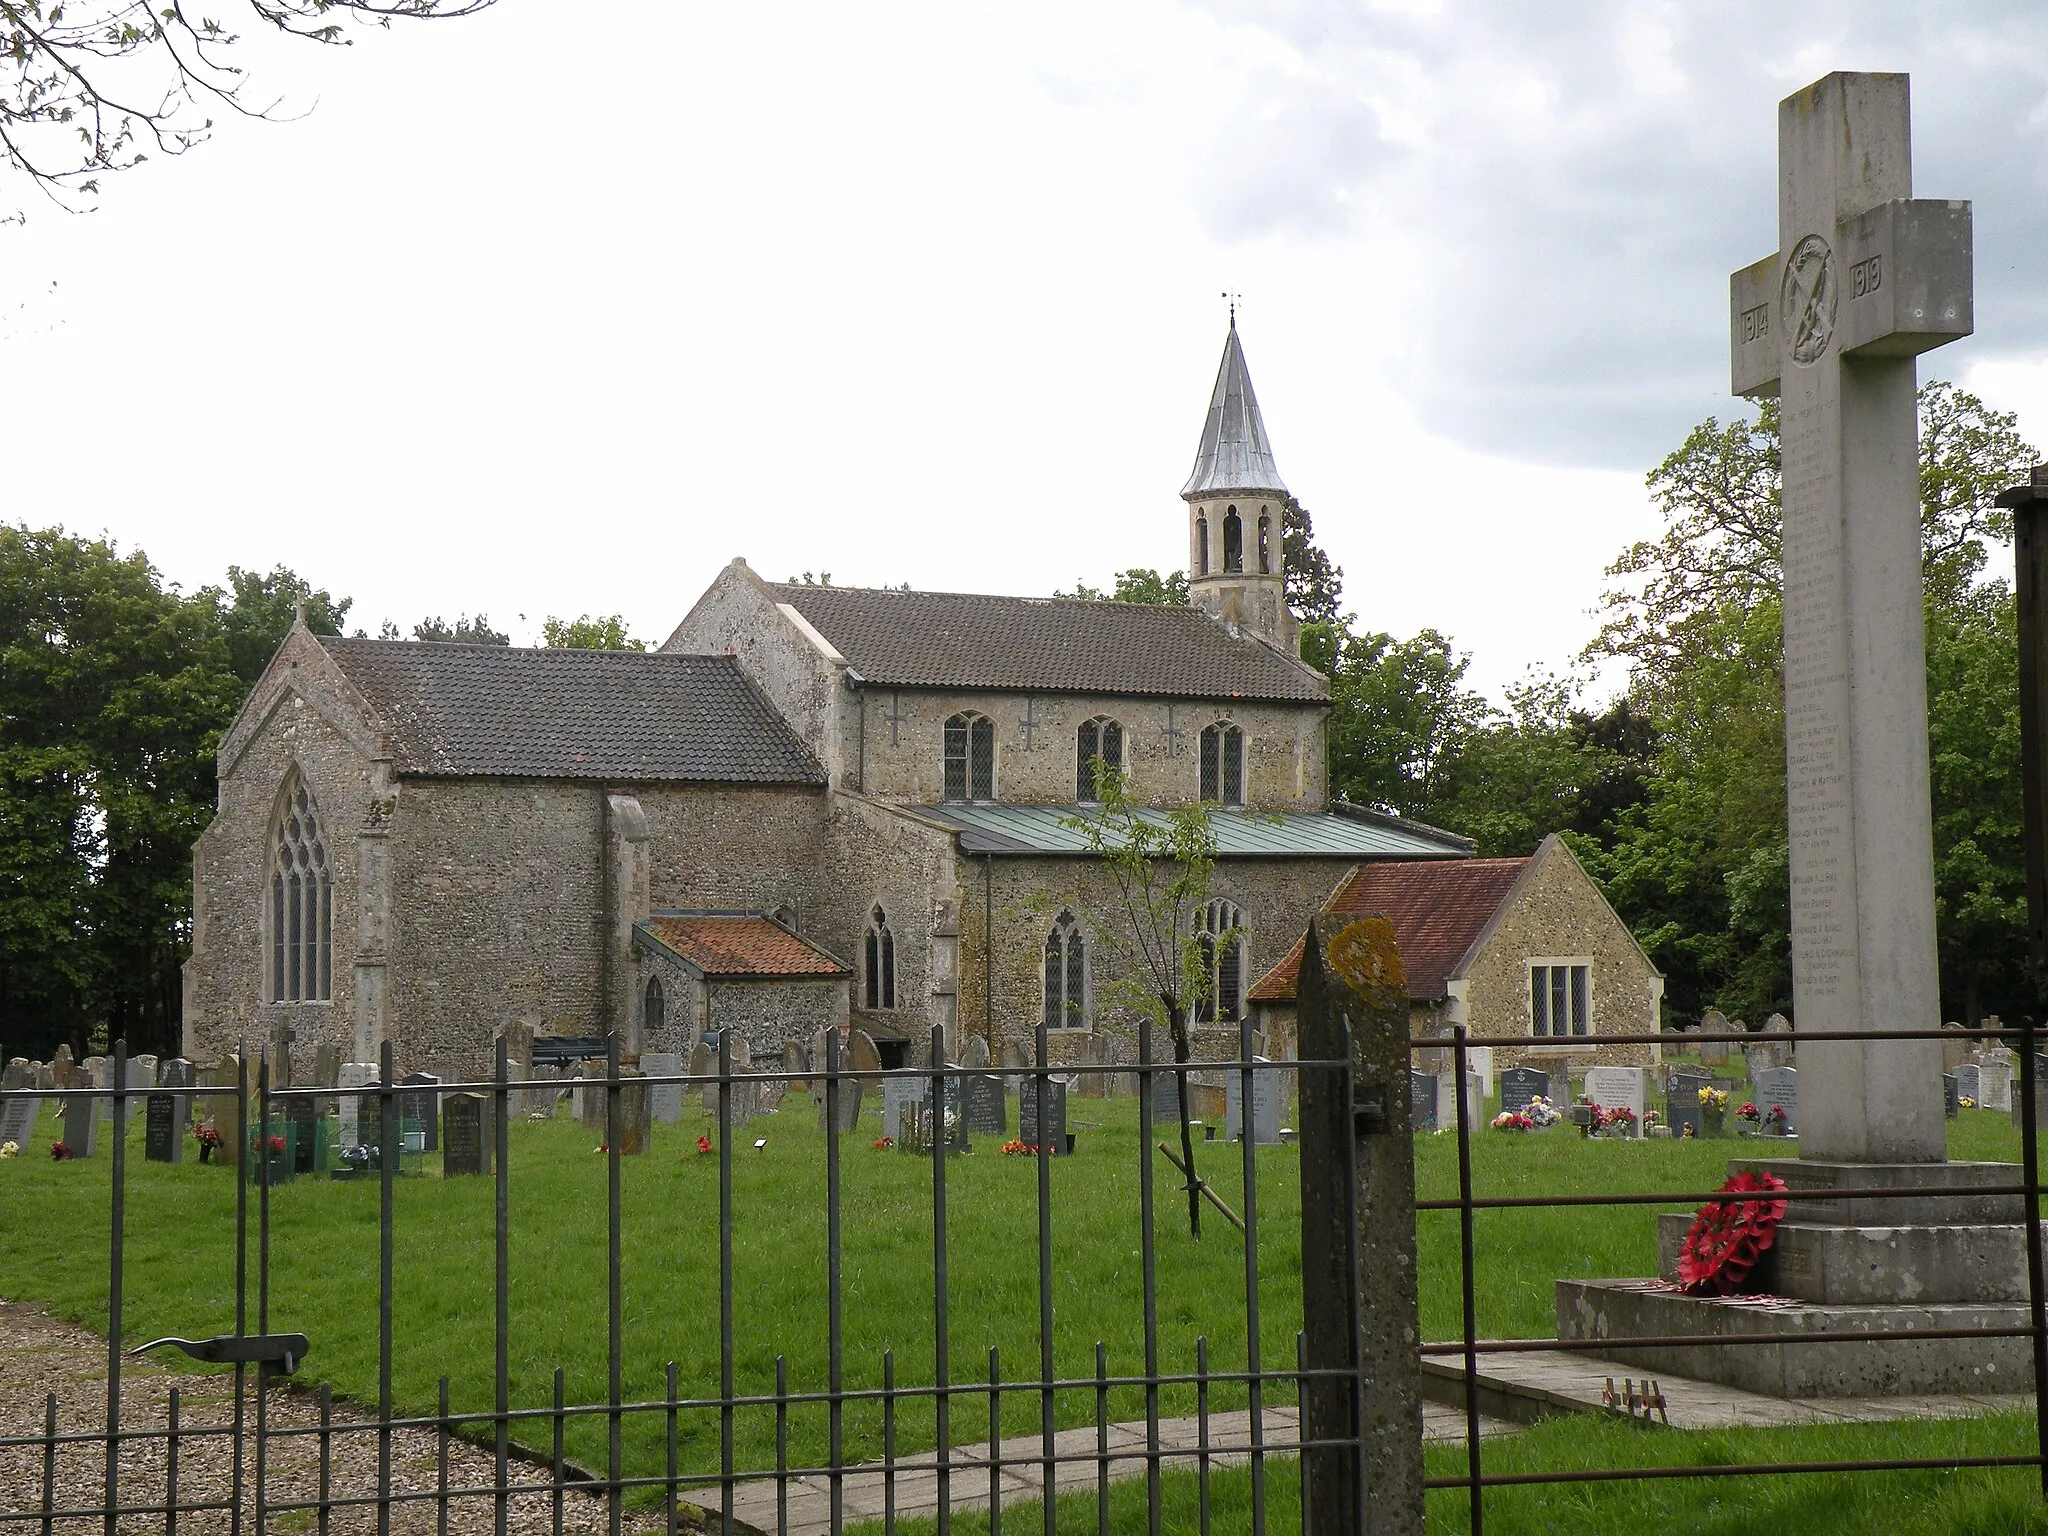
1201 546
878 983
301 901
1220 931
653 1009
1233 541
1101 737
970 757
1265 543
1223 764
1066 975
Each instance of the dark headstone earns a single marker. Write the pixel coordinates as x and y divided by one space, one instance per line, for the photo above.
465 1135
1521 1085
163 1136
988 1112
422 1105
1951 1095
1421 1101
1050 1129
1682 1108
1967 1084
301 1115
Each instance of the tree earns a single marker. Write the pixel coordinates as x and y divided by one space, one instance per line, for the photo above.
1399 711
257 612
464 631
97 86
1315 587
1140 584
589 633
1162 866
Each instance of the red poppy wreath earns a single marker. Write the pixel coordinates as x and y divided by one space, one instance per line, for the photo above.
1727 1237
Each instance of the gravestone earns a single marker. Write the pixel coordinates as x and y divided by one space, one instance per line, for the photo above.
1050 1129
1015 1062
141 1073
163 1133
302 1115
1779 1029
326 1071
1954 1052
704 1063
20 1073
1682 1105
422 1105
222 1108
1480 1059
665 1100
1421 1101
82 1126
518 1038
848 1089
18 1119
1951 1095
1714 1053
988 1110
1620 1088
1778 1089
179 1073
46 1078
591 1087
1519 1086
974 1053
1447 1106
861 1053
1994 1085
1265 1106
1165 1097
64 1068
359 1111
1967 1084
466 1139
793 1063
899 1094
1760 1058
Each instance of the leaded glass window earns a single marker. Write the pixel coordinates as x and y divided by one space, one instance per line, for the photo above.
1100 737
1223 764
1221 933
301 902
970 757
878 984
1066 969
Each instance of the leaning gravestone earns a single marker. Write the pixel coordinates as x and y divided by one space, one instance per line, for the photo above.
1521 1086
1614 1088
82 1126
222 1108
1265 1106
163 1134
1048 1130
465 1135
665 1100
988 1110
1421 1101
1777 1101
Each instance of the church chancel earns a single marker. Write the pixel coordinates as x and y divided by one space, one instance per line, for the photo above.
1866 278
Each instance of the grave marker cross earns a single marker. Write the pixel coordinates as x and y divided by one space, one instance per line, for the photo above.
1867 277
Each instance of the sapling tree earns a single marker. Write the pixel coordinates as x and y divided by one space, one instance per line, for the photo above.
1161 865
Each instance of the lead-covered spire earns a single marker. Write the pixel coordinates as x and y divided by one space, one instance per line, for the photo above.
1236 457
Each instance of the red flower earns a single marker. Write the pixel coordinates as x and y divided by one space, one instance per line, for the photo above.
277 1143
884 1143
1748 1111
1727 1237
60 1152
703 1143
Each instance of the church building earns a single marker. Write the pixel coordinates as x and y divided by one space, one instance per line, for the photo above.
812 805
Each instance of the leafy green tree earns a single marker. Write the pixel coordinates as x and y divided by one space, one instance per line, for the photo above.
1162 867
1399 712
94 86
1315 586
1140 584
589 633
257 612
464 631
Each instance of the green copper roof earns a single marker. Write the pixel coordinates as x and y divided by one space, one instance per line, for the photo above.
1352 834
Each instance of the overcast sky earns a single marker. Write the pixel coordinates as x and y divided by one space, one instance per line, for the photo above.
557 309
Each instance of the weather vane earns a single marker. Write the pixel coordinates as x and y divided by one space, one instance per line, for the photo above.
1235 299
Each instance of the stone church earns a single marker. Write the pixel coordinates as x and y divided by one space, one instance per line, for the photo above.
813 804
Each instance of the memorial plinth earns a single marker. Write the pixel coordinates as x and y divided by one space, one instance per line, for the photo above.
1866 277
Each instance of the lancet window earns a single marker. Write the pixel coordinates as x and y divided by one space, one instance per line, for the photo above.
1066 975
878 982
301 902
1100 737
1220 932
970 757
1223 764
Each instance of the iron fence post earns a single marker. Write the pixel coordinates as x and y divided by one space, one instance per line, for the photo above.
1477 1490
1359 1304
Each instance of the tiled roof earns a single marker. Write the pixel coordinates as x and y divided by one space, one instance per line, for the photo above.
1039 829
738 945
1047 645
1438 908
629 716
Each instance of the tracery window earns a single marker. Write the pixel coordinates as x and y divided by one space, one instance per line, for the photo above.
1201 546
1100 737
878 983
1220 932
1066 973
1223 764
1265 545
1233 541
970 757
653 1010
301 902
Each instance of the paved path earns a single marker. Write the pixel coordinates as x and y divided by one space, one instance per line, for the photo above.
865 1489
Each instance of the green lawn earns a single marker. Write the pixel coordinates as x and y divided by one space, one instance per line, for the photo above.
180 1266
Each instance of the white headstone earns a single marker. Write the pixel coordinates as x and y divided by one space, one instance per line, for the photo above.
1777 1100
1865 278
1447 1103
1265 1106
899 1095
1994 1086
1620 1088
665 1099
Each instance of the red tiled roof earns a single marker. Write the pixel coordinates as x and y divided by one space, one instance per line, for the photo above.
1437 906
727 945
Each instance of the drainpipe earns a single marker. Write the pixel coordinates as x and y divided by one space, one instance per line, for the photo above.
988 951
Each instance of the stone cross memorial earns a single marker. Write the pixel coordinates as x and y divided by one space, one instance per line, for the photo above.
1866 278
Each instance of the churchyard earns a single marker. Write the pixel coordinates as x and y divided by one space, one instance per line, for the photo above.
180 1251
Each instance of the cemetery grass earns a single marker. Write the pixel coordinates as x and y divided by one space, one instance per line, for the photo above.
1948 1502
179 1261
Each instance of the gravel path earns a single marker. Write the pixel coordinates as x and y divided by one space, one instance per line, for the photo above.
39 1355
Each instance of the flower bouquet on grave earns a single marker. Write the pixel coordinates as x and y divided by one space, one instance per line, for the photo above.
1542 1113
1727 1237
1713 1111
10 1149
208 1139
884 1143
1966 1102
1775 1122
61 1153
356 1161
1513 1120
1620 1123
1748 1111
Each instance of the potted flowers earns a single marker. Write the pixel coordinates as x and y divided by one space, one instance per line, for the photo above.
1513 1120
1713 1111
1620 1123
208 1139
